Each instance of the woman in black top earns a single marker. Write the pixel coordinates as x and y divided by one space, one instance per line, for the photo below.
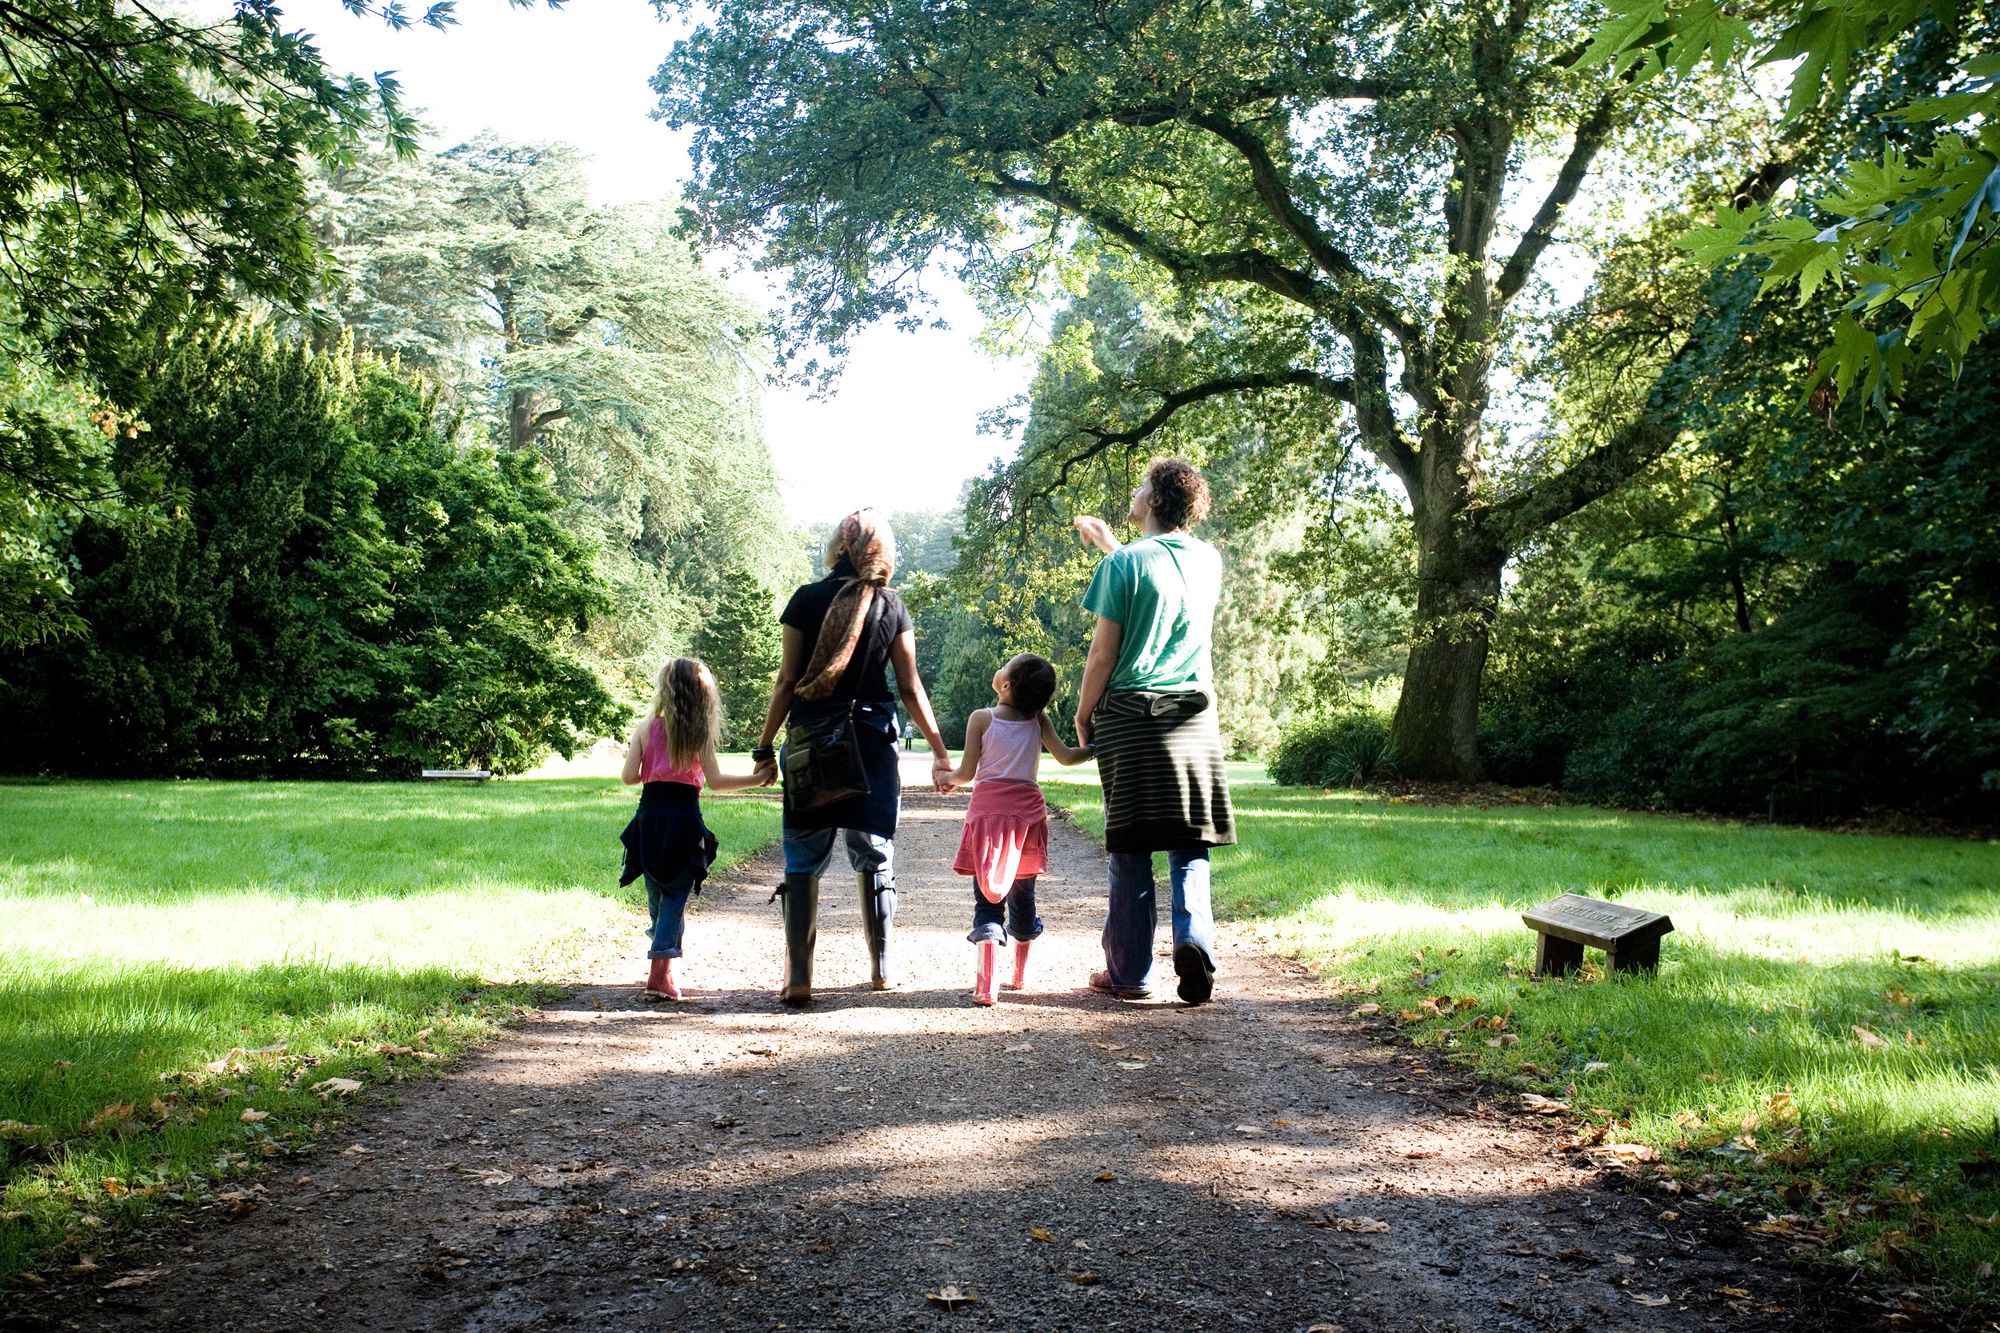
842 635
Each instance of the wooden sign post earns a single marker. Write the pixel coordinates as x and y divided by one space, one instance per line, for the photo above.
1629 936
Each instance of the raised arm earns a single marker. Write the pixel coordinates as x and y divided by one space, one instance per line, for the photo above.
903 657
1097 669
1096 532
1066 755
975 739
790 668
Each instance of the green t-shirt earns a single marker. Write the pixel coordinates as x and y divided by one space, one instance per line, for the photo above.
1162 591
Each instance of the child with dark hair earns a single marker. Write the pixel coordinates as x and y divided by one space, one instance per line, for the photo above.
1006 840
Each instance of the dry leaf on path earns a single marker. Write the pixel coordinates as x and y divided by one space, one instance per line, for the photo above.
355 1150
138 1277
1133 1064
1088 1278
337 1087
1734 1293
490 1175
1629 1152
950 1297
1414 1153
1540 1105
1041 1233
1362 1225
1107 1175
1654 1301
1368 1010
1019 1047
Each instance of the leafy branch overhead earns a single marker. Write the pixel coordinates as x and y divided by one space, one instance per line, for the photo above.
1350 202
1906 237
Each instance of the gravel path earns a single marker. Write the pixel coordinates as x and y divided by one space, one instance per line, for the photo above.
1070 1160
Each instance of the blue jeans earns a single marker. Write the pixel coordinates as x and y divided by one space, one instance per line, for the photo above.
1017 909
807 851
667 904
1133 914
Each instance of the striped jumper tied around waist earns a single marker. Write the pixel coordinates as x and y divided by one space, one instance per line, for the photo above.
1159 756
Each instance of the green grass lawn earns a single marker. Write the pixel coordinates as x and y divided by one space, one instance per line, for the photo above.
1823 1034
184 962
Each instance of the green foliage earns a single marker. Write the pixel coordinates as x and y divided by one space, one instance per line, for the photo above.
332 583
1908 233
310 924
591 337
740 640
1304 205
1343 749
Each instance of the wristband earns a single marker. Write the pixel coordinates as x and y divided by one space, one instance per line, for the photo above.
763 754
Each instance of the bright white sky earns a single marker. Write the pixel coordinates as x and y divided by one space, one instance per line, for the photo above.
909 402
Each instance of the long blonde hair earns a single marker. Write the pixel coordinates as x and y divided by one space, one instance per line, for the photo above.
690 708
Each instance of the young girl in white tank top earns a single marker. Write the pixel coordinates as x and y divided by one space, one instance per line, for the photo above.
1006 840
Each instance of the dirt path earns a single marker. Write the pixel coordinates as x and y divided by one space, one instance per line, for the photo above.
1072 1160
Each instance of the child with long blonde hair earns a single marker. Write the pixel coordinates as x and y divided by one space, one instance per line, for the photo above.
672 752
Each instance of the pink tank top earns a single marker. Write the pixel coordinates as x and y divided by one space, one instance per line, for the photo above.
1010 751
656 762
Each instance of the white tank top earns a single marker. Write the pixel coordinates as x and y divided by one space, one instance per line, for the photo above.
1010 751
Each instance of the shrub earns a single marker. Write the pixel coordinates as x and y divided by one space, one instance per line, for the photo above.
1341 749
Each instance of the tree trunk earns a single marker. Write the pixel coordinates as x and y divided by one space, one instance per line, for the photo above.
1435 735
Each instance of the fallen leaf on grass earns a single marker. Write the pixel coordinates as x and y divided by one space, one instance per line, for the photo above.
114 1116
1368 1011
1088 1278
1540 1105
1869 1039
232 1063
15 1129
1041 1233
251 1116
1653 1301
1629 1153
337 1087
950 1297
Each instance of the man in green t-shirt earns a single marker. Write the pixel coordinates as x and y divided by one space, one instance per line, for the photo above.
1147 706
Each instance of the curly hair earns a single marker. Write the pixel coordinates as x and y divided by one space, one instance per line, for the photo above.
690 708
1034 682
1180 493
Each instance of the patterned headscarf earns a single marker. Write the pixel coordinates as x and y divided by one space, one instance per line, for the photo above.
870 548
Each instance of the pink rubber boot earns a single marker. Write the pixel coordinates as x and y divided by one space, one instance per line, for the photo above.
1021 963
982 981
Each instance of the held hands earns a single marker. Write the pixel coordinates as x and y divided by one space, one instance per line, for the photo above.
941 770
1094 531
766 772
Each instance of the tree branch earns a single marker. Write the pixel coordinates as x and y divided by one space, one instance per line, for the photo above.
1278 199
1250 265
1590 137
1172 401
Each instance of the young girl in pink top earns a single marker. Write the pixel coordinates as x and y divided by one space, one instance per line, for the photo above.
672 752
1006 839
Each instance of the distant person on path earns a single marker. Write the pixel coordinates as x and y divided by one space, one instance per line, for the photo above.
842 636
672 751
1147 708
1006 840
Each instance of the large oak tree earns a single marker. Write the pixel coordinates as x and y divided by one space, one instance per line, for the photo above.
1356 195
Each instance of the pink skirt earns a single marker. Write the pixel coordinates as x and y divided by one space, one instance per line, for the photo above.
1006 834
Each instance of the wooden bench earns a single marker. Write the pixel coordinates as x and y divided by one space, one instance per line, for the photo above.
1629 936
459 774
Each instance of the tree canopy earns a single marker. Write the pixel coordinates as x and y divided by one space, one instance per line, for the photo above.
1343 206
